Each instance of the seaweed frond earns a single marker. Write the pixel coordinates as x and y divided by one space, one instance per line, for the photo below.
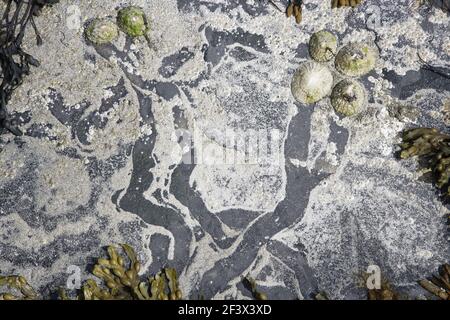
120 280
444 5
386 292
439 285
344 3
441 70
20 285
321 296
295 9
250 284
433 147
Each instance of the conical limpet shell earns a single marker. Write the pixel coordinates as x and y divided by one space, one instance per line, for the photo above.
102 31
323 46
132 21
356 59
311 82
348 97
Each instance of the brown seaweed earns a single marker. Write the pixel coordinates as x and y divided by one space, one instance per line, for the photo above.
18 283
250 284
295 9
120 280
439 285
345 3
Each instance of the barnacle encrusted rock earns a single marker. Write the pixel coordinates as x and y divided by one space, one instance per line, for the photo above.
311 82
348 97
323 46
132 21
356 59
102 31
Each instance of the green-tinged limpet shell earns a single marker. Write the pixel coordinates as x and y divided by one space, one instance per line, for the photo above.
348 97
132 21
323 46
356 59
102 31
311 82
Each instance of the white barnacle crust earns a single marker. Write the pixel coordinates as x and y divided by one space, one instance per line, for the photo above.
323 46
356 59
348 97
311 82
102 31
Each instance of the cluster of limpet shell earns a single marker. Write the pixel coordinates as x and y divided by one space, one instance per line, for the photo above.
130 20
313 81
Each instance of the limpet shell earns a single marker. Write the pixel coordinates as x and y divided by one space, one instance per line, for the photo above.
348 97
102 31
311 82
323 46
356 59
132 21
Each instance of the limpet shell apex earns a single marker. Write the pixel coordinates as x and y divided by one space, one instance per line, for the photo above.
311 82
323 46
348 97
356 59
102 31
132 21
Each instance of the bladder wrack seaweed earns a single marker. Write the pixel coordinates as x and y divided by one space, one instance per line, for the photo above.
311 82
